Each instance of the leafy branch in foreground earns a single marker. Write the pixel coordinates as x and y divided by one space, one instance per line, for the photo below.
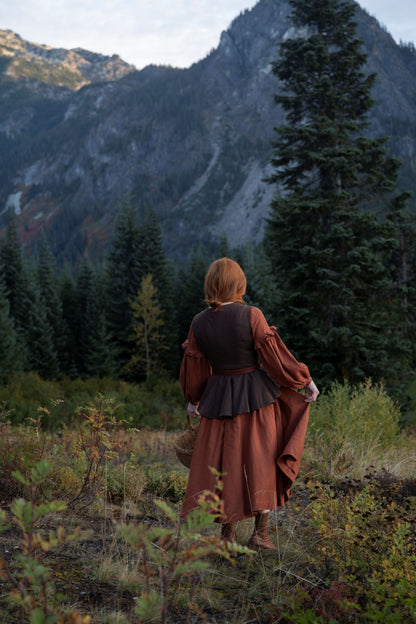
174 555
94 440
30 578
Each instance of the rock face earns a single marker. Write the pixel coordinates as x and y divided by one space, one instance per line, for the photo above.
194 143
65 68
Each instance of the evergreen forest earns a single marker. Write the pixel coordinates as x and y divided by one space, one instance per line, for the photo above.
124 319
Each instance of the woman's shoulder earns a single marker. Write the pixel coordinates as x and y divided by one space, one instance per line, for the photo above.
200 316
258 321
256 313
236 308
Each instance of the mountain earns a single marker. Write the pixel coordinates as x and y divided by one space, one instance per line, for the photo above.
80 131
63 68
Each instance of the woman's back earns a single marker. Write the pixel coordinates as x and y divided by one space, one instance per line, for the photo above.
225 336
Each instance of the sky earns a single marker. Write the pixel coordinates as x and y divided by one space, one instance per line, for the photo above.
162 32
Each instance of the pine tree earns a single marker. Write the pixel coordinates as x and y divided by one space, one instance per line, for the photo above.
333 231
9 353
84 292
48 284
152 258
223 247
123 277
100 360
153 261
37 332
260 281
14 281
192 292
93 351
69 331
12 264
27 308
147 336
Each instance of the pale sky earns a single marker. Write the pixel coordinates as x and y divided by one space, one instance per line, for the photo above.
168 32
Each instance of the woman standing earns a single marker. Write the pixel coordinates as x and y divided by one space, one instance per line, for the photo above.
239 377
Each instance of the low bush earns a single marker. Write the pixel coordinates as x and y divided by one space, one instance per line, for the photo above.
157 403
165 483
363 557
29 574
353 428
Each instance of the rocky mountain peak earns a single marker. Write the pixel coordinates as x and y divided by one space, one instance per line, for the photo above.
72 69
194 143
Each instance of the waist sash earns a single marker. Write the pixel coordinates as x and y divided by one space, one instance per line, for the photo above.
238 371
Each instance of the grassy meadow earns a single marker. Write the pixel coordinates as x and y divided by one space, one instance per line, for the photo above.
90 491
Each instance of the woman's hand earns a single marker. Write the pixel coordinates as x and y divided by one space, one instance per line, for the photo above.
192 410
311 392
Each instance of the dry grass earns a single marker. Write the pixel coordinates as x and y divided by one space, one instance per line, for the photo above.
100 574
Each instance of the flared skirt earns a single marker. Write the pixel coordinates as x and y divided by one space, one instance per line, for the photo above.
256 454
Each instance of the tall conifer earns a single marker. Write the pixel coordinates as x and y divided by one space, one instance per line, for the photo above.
123 278
192 293
333 231
14 282
37 331
147 333
9 354
48 284
27 308
70 323
153 261
94 352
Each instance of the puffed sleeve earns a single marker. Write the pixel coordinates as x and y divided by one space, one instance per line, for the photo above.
275 357
195 370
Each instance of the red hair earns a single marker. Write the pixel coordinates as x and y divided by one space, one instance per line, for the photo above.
224 281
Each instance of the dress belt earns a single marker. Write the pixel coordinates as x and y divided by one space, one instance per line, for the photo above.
238 371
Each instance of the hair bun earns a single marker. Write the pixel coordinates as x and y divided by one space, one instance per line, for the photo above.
214 304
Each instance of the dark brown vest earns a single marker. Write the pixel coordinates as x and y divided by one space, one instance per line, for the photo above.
225 336
226 339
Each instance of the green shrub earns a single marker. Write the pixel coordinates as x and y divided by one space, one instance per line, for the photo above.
365 542
352 428
164 483
157 403
29 576
19 450
174 559
125 482
25 393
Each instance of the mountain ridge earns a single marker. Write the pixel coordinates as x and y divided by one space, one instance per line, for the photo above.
195 143
72 69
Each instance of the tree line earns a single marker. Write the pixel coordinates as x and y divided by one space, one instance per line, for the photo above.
114 320
126 318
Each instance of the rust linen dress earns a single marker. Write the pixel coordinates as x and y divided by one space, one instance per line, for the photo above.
258 452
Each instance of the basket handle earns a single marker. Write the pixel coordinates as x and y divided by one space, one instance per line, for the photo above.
190 425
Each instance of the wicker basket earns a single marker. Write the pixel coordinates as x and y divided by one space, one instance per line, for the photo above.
185 442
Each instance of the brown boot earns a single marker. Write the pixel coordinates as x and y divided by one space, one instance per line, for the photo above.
228 532
260 537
